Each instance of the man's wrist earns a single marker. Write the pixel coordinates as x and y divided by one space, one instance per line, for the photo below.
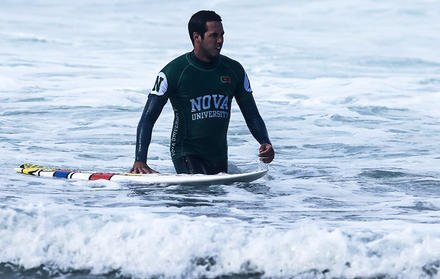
142 159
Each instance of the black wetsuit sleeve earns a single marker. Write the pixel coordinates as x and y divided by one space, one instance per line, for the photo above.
253 118
152 110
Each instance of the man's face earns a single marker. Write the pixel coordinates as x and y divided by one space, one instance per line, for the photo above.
212 41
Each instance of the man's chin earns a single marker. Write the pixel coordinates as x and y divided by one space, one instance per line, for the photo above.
215 54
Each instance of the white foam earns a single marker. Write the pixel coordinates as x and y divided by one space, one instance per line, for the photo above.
144 244
8 83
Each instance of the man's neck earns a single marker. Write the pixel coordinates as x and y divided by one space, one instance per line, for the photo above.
204 58
203 62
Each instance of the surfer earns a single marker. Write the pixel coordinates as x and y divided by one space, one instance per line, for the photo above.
200 86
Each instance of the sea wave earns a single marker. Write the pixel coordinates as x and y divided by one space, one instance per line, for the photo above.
138 244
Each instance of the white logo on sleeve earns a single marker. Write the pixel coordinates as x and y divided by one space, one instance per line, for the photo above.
247 84
161 85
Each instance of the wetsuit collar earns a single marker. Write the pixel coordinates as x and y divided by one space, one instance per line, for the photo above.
202 64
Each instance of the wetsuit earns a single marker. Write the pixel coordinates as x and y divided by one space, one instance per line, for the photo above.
201 96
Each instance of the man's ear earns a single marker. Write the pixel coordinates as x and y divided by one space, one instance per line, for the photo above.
196 36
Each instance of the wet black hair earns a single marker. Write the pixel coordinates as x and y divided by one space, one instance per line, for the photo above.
197 22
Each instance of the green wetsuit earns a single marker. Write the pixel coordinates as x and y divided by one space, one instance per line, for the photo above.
201 96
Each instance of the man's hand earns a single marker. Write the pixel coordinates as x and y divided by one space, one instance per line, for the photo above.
141 167
266 153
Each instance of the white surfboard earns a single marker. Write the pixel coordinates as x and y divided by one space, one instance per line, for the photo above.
165 179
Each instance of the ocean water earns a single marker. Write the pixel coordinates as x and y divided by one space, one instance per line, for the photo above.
349 91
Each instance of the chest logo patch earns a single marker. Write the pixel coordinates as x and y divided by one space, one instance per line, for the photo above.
225 79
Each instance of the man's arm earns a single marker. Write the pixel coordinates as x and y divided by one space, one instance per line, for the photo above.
256 126
151 112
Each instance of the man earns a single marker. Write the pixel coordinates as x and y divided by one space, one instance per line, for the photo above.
200 86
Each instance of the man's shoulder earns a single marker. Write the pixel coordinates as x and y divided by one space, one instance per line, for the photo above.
168 77
177 64
230 63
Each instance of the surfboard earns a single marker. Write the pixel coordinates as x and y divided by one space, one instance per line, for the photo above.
165 179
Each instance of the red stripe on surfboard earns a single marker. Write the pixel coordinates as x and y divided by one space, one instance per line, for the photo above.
103 175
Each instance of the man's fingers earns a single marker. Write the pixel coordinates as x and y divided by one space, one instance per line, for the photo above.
264 147
140 168
266 153
144 170
148 170
267 160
